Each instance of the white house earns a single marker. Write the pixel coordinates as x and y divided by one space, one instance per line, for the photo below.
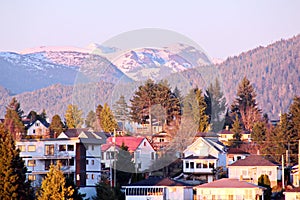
158 188
202 157
235 154
79 155
293 194
227 188
143 152
38 128
252 167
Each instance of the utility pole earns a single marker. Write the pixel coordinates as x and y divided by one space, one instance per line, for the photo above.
282 166
298 162
115 175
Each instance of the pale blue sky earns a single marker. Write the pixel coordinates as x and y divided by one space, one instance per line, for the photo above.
222 28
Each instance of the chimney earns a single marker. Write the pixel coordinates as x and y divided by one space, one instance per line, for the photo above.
258 153
227 128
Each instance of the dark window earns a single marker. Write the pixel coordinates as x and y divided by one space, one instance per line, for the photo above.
192 165
71 162
70 147
198 165
187 165
62 147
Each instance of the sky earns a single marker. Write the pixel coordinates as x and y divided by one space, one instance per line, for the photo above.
221 28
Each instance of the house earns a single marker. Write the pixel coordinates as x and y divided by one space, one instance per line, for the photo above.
108 154
160 140
295 175
158 188
235 154
293 194
202 157
252 167
143 153
79 154
228 188
38 127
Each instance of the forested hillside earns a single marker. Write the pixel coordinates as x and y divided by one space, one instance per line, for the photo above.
273 70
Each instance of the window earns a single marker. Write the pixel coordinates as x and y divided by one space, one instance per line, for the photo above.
198 165
93 147
87 162
140 165
93 162
192 165
70 147
211 165
161 140
31 148
47 164
33 131
187 164
78 177
152 155
37 124
49 149
87 176
71 162
93 176
102 156
31 177
110 155
31 163
22 148
145 144
205 165
62 147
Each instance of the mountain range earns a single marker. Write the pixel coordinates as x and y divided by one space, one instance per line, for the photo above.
51 78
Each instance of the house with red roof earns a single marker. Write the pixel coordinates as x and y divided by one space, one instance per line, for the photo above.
228 188
143 153
252 167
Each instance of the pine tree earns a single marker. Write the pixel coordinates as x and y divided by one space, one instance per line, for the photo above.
76 194
90 119
54 185
56 127
13 184
216 106
245 104
259 132
43 115
13 121
108 122
73 116
154 101
237 133
97 126
264 181
121 111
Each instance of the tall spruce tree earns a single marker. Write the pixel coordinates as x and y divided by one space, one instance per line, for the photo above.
97 126
121 111
54 185
237 133
216 106
108 122
73 116
90 120
13 184
56 126
245 104
13 119
152 96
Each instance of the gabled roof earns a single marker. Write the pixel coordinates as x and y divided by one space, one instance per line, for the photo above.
44 122
214 144
297 189
74 132
200 157
253 160
105 147
158 181
229 183
131 142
